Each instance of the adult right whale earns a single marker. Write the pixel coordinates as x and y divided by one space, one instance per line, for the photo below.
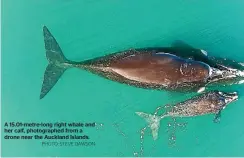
177 68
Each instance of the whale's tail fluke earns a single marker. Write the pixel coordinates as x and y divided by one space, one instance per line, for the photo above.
153 121
57 62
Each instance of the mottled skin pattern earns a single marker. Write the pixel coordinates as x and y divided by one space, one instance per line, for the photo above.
207 103
212 102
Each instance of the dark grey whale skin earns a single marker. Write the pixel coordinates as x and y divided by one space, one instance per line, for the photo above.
150 69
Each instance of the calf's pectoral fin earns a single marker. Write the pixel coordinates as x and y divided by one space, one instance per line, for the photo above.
217 117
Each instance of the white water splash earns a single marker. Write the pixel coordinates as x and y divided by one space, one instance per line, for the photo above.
200 90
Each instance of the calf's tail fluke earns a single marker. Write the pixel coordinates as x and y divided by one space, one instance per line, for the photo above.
153 121
57 62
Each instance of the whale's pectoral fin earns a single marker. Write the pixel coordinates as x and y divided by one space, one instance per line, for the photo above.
217 117
181 44
189 50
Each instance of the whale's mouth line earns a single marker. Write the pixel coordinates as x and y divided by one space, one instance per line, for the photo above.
229 97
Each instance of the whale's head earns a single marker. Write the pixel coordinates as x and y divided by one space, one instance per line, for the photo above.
225 98
226 75
221 99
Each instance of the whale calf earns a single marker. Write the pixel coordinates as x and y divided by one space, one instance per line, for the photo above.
212 102
176 68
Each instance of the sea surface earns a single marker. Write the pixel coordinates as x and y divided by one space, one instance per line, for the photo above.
86 29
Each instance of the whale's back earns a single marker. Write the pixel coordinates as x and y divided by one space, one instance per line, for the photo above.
160 68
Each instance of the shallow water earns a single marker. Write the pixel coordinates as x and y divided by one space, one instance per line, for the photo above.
88 29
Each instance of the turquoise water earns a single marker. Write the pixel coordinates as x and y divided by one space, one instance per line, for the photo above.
88 29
